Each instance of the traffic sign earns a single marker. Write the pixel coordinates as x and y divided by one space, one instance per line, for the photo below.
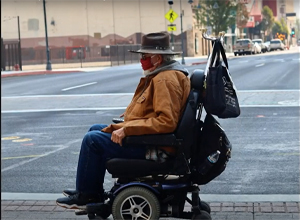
172 27
215 5
171 16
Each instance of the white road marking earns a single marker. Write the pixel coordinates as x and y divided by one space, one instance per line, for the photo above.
65 109
278 60
74 87
73 95
115 104
44 155
258 65
244 61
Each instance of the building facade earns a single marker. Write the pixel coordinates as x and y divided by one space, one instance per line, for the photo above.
90 22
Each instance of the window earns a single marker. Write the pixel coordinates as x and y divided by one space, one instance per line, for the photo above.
33 24
97 35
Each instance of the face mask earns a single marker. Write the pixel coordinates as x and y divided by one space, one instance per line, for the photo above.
146 63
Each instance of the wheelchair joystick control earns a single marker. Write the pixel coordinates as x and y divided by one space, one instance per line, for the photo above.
209 162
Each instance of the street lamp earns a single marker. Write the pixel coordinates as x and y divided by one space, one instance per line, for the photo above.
182 48
181 27
48 66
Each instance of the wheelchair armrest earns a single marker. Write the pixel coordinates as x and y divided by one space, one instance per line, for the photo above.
152 139
117 120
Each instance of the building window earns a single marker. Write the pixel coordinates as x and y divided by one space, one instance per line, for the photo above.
97 35
33 24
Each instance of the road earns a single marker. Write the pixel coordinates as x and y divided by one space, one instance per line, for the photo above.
44 118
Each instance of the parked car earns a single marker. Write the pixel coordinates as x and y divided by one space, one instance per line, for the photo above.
298 42
276 44
244 46
267 43
261 44
257 48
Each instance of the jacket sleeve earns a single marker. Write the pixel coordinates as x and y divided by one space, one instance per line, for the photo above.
166 104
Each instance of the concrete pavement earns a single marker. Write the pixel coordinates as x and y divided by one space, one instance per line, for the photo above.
47 209
86 67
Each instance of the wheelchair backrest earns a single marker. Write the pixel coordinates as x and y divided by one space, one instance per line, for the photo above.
187 124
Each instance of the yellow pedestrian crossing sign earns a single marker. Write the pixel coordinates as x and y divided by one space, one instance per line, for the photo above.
172 27
171 16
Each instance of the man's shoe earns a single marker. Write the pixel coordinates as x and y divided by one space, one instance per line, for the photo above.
70 192
78 201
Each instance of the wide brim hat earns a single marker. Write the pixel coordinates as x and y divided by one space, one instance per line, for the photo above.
156 43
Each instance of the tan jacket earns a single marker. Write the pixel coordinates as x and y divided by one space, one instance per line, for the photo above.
157 104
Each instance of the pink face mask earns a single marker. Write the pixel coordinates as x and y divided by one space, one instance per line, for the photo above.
146 63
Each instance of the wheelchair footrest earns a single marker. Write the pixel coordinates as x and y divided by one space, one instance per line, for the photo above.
186 215
98 209
80 212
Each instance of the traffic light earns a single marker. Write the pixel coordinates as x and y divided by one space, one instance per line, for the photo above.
293 32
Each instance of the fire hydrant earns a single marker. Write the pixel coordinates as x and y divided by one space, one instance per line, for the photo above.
17 67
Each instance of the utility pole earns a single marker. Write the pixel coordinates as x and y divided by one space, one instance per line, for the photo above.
19 35
182 48
48 66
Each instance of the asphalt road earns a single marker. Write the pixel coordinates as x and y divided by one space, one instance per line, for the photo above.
39 148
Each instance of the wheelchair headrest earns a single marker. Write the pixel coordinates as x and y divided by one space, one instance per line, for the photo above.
197 79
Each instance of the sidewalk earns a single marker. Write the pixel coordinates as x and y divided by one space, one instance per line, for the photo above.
86 67
47 209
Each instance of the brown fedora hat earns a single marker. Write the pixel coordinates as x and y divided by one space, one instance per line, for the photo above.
156 43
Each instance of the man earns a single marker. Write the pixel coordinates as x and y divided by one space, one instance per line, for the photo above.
156 107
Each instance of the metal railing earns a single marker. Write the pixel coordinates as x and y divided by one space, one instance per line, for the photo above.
10 55
114 54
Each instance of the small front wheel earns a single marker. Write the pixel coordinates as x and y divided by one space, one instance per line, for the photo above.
205 206
202 216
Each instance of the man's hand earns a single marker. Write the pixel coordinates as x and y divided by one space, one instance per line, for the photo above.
117 136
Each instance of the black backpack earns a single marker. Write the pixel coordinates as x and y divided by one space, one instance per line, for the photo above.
211 138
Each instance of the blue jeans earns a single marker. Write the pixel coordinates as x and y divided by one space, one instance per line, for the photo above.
96 149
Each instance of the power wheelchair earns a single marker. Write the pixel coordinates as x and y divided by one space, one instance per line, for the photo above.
145 189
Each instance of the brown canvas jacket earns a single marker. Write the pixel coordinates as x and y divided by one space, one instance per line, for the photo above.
157 104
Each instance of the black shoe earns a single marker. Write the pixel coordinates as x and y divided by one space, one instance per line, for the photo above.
78 201
70 192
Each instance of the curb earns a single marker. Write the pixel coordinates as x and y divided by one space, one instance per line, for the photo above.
39 73
198 63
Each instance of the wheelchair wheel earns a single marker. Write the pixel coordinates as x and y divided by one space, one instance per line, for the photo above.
205 206
136 203
202 216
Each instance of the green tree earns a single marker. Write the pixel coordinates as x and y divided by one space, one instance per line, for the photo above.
280 27
277 28
268 19
285 29
219 14
242 17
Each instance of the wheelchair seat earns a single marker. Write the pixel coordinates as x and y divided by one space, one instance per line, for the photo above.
182 139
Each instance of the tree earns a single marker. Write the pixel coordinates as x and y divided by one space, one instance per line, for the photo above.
242 17
277 28
285 29
268 19
219 14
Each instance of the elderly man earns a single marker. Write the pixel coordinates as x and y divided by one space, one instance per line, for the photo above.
156 107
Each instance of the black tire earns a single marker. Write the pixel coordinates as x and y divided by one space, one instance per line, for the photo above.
99 209
131 199
205 206
105 212
202 216
235 54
